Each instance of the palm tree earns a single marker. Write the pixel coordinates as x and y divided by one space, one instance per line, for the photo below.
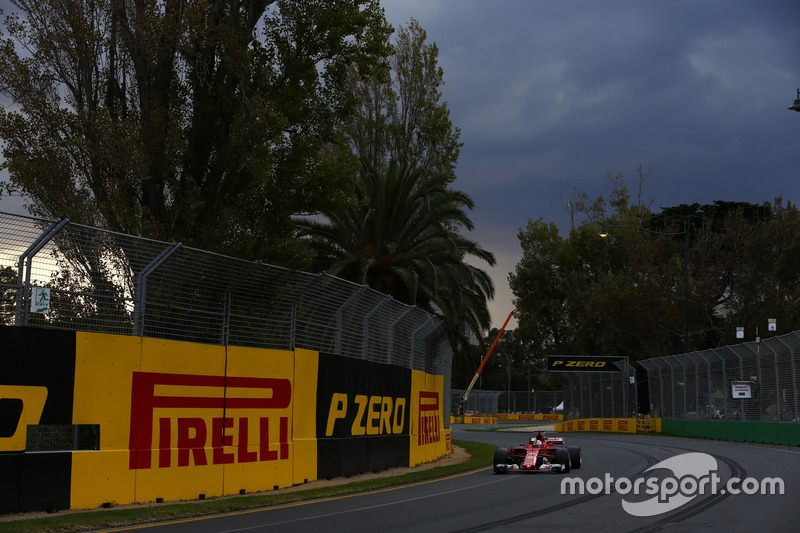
401 238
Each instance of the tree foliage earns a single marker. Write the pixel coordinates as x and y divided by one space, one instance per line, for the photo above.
8 292
207 121
397 239
626 294
402 116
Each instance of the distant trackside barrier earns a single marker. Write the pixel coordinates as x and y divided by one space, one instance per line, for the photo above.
535 417
612 425
757 432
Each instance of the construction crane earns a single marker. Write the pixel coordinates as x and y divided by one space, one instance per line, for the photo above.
483 363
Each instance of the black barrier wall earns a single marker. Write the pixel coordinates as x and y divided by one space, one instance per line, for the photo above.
362 416
35 360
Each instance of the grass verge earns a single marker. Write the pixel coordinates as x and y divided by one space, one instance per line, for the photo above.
480 457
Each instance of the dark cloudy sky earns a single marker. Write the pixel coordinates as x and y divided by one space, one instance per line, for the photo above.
549 95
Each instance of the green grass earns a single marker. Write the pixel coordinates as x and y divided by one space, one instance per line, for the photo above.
503 425
481 457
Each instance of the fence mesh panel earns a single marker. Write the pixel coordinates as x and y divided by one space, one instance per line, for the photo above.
493 402
106 282
749 381
600 394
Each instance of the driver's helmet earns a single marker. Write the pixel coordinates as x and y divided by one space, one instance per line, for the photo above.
537 444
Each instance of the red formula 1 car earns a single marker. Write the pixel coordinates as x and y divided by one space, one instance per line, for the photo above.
540 454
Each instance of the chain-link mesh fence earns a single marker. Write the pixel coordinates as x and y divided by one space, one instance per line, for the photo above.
479 403
492 402
107 282
600 394
749 381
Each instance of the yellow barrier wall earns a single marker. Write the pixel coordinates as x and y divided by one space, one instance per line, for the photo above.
427 424
648 425
175 423
304 467
525 416
615 425
103 372
480 420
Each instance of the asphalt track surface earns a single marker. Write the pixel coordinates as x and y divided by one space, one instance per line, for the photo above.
484 501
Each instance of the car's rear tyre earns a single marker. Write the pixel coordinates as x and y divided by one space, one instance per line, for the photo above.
575 458
562 458
500 458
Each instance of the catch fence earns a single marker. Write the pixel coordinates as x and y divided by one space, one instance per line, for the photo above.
493 402
601 394
749 381
57 274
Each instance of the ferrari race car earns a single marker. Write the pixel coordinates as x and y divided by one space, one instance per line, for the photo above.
540 454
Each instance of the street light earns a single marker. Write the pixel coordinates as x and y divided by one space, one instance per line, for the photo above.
604 233
796 104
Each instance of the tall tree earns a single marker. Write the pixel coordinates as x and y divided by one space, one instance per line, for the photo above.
552 283
208 122
398 240
402 116
627 294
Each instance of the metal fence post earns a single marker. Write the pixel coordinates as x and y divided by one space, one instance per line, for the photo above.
573 403
141 287
671 383
390 347
761 380
741 378
757 353
293 325
646 365
724 377
708 397
226 318
661 391
696 383
794 377
611 383
365 325
571 394
685 384
777 386
625 384
337 343
591 397
412 356
22 305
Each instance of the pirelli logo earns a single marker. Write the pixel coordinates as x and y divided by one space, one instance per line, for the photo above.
170 418
584 363
429 418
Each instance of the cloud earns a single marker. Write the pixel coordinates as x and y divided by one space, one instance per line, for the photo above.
551 95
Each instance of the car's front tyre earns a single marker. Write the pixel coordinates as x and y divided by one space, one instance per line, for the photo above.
562 458
575 457
500 458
